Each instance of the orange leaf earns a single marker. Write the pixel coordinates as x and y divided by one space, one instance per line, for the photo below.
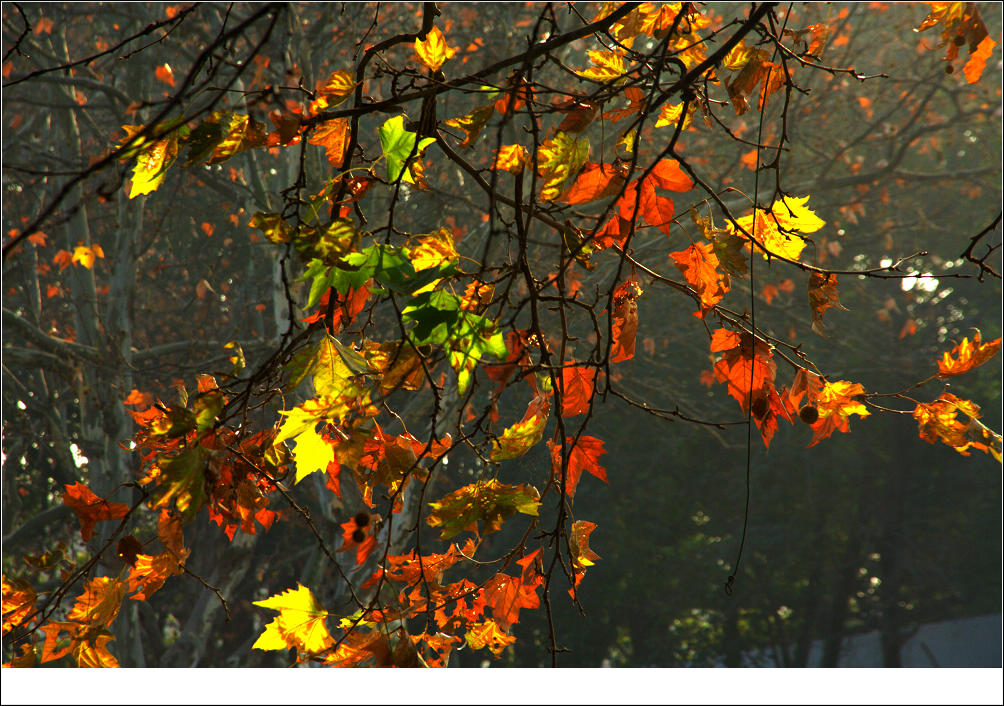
822 296
668 175
699 266
63 258
38 238
939 421
624 324
18 601
594 182
743 366
140 399
978 60
582 555
506 595
748 160
164 74
835 404
90 508
966 356
583 455
577 385
333 136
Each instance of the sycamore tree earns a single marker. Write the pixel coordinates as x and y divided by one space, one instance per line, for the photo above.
309 310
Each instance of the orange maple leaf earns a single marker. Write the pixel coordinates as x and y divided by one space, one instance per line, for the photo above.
624 324
91 508
594 182
333 136
583 455
699 266
822 295
966 356
164 74
577 384
433 51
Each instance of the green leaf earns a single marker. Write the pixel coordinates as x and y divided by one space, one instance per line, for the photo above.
207 407
398 146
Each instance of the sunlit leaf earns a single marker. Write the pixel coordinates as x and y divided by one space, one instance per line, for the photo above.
433 51
489 502
967 355
520 437
91 508
300 622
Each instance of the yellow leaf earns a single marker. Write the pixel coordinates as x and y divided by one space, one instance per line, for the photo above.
778 229
339 85
487 634
521 436
670 115
511 158
433 250
434 51
85 255
607 66
152 161
300 623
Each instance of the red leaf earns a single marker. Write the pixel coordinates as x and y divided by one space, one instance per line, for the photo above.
625 320
90 508
668 175
583 455
164 74
595 181
699 266
577 383
333 135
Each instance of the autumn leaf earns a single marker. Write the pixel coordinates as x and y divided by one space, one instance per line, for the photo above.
595 181
472 123
822 296
487 634
607 66
939 421
511 158
506 595
578 542
583 455
434 250
966 356
90 508
85 255
433 51
624 320
490 502
152 160
180 479
98 605
520 437
164 74
777 230
339 85
577 387
558 159
18 601
744 366
333 136
978 60
835 404
671 113
699 266
300 622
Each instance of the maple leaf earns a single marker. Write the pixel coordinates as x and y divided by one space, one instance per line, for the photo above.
743 366
399 146
583 455
595 181
511 158
164 74
521 436
777 229
607 66
85 255
487 634
671 114
472 123
300 622
18 601
558 159
149 572
577 386
99 603
333 136
152 160
822 296
91 508
433 51
182 479
578 543
339 85
835 404
434 250
939 421
978 60
966 356
506 595
699 266
489 501
624 320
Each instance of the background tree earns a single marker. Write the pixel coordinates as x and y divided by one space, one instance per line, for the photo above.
428 235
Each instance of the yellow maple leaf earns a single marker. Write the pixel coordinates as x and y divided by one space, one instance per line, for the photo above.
338 86
152 161
778 229
300 622
670 115
511 158
434 51
433 250
607 66
85 255
487 634
517 439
